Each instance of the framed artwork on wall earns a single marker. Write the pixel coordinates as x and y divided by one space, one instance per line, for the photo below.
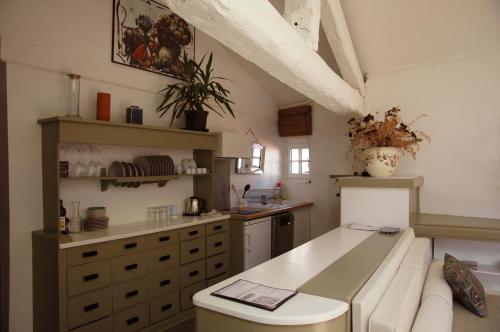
149 36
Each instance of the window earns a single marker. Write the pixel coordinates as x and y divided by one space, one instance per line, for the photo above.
298 161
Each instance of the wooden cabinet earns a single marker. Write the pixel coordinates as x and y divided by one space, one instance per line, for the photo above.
127 284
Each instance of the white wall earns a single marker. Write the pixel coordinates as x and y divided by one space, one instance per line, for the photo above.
43 40
461 97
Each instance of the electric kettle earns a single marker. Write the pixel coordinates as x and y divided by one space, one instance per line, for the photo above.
194 206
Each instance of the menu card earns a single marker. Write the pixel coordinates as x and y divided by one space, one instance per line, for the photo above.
255 295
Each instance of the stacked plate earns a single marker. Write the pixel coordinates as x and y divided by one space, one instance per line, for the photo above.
125 169
155 165
96 219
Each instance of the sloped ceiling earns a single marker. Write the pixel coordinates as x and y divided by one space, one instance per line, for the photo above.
393 34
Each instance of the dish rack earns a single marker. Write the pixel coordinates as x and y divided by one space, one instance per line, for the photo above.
263 196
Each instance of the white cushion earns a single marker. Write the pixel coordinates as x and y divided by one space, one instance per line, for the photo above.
419 256
369 295
435 314
398 307
436 285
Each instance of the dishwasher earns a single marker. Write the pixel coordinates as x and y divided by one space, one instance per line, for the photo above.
282 233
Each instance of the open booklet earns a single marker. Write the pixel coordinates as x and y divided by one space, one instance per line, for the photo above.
255 295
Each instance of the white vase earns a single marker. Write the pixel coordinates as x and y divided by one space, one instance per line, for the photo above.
381 162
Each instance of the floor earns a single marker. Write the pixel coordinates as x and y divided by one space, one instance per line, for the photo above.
187 326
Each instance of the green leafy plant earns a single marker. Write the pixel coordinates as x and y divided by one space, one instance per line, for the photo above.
196 92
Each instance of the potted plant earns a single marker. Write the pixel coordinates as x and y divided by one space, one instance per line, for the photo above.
377 145
198 93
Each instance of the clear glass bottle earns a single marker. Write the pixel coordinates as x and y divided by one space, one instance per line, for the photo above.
74 95
75 222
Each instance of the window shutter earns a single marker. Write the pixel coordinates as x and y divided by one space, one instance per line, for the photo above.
295 121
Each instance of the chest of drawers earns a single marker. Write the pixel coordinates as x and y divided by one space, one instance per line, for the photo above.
142 283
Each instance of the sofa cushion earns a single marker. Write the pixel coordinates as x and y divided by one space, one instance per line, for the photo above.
465 286
436 285
369 295
398 307
435 314
419 256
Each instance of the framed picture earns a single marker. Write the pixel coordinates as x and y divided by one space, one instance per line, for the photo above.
149 36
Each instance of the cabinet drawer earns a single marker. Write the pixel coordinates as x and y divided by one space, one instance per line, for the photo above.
192 250
89 307
88 277
217 265
192 273
128 267
164 307
188 293
129 246
163 239
103 325
87 254
217 227
217 244
192 233
163 282
163 258
129 294
133 319
216 280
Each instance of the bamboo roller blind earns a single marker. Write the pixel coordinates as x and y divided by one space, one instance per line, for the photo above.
295 121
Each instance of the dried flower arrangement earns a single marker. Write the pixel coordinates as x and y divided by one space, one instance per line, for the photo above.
368 132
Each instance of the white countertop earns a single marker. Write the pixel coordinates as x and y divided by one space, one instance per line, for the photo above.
116 232
290 271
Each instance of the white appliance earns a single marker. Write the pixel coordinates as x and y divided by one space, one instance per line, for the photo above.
256 242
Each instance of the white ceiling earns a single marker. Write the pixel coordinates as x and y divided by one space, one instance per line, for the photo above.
393 34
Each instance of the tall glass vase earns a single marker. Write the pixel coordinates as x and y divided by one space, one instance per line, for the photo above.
74 95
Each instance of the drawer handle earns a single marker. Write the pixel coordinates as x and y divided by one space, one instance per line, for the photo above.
193 233
132 320
164 282
130 245
166 307
91 277
87 254
164 238
194 251
217 228
164 258
193 273
218 244
132 293
219 265
131 267
91 307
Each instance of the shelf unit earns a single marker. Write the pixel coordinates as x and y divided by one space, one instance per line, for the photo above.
62 130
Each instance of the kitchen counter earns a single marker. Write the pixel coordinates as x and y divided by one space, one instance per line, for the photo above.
268 210
116 232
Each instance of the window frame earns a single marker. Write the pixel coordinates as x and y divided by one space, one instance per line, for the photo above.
298 146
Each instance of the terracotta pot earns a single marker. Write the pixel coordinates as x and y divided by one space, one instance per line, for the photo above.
381 162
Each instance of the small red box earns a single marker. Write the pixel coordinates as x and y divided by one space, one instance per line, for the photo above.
103 106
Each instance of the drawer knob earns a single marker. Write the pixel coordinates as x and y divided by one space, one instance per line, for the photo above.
91 277
217 228
131 267
218 244
164 258
132 293
91 307
193 273
130 245
132 320
164 238
219 265
87 254
194 251
164 282
166 307
193 233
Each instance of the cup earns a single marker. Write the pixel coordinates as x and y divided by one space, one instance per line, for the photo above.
103 106
179 169
199 170
204 170
173 210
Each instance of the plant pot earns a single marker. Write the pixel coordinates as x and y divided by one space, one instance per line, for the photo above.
381 162
196 120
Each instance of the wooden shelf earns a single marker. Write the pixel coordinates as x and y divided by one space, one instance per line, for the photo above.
390 182
107 180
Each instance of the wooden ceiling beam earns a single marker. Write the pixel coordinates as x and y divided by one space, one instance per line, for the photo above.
257 32
304 16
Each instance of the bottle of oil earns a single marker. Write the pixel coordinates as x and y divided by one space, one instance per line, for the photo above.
63 220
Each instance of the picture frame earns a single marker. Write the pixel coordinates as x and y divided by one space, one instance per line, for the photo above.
148 36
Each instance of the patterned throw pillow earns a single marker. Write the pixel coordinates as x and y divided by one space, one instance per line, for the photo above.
464 285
